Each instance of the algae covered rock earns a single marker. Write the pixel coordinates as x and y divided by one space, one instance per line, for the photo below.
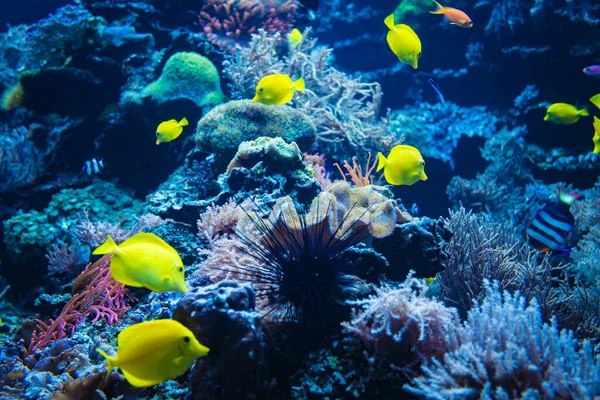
187 75
225 127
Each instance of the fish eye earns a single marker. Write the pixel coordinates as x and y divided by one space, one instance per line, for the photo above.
180 269
186 339
260 90
422 163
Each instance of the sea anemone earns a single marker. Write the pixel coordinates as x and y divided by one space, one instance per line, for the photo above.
301 272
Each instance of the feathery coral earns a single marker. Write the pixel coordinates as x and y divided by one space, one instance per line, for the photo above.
505 350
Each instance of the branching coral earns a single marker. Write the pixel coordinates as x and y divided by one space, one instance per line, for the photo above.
229 22
505 350
482 250
344 110
401 319
95 293
355 171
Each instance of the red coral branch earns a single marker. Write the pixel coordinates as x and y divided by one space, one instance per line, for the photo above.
95 293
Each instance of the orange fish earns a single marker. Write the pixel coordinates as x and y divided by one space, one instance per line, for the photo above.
455 16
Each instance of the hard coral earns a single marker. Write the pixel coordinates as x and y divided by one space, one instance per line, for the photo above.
222 129
276 154
227 23
188 76
95 293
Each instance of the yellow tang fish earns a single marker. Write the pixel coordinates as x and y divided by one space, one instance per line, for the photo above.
596 100
169 130
294 37
277 89
404 42
152 352
145 260
403 166
564 114
596 137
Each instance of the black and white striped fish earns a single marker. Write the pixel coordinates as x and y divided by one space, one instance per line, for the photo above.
549 229
93 166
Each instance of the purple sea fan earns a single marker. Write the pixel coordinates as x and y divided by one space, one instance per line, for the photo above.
401 319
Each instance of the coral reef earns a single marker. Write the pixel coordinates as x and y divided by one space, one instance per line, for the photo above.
225 127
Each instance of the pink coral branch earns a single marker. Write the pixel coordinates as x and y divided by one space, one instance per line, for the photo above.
100 296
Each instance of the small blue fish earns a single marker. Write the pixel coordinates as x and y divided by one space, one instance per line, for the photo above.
93 166
437 90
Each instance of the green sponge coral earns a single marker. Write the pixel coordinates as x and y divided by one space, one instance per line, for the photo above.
189 76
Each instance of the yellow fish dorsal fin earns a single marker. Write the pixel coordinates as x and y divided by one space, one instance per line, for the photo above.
389 22
148 239
440 8
183 122
408 33
136 332
401 150
108 247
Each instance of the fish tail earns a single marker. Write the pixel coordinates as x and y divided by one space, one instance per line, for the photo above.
440 8
382 162
584 111
108 247
389 21
298 85
183 122
111 361
567 197
595 101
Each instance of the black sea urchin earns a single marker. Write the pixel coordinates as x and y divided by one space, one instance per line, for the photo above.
302 271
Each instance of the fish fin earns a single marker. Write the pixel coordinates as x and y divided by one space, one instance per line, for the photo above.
183 122
288 97
158 141
139 382
382 162
584 112
145 238
546 118
298 85
440 8
108 247
111 361
119 273
389 21
567 197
